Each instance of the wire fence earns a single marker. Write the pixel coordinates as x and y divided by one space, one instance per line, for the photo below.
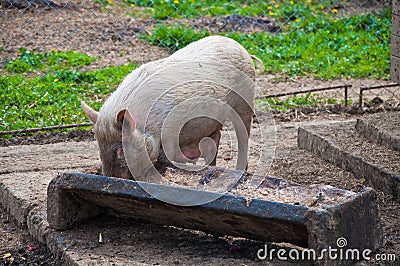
314 52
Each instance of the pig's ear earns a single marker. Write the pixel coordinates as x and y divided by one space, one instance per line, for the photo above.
129 121
90 113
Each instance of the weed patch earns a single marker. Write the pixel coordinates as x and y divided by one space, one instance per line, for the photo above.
294 102
314 42
53 96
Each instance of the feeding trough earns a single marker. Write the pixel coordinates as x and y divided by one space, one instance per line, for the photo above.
277 210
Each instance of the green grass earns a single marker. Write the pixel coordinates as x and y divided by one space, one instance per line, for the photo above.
163 9
334 49
52 95
28 61
314 42
174 37
292 102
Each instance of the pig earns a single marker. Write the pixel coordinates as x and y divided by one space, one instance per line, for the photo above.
148 95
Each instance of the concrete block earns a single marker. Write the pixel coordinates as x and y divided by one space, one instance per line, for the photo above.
75 197
341 145
383 129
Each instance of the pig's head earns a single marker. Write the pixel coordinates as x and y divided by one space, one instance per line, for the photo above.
108 130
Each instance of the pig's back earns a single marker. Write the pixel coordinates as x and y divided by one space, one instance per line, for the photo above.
140 88
216 48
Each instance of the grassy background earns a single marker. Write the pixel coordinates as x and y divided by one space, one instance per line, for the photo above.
321 46
44 89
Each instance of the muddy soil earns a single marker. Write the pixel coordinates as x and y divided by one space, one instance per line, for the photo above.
18 248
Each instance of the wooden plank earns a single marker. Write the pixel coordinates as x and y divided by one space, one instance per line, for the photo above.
395 68
395 45
396 25
396 7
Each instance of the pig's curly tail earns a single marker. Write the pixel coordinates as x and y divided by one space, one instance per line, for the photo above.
259 63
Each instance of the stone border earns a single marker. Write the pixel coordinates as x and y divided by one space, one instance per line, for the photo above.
380 178
369 131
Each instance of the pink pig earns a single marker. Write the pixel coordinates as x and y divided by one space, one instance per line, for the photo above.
156 90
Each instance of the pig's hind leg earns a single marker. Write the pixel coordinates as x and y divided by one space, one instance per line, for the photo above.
243 135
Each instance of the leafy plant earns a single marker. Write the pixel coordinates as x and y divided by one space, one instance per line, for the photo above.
29 60
174 37
321 46
309 100
164 9
53 96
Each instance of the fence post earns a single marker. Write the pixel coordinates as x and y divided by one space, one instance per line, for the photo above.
360 97
395 43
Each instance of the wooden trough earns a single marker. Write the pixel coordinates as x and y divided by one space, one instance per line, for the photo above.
312 216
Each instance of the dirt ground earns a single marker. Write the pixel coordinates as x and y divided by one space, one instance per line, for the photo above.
18 248
289 162
112 35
